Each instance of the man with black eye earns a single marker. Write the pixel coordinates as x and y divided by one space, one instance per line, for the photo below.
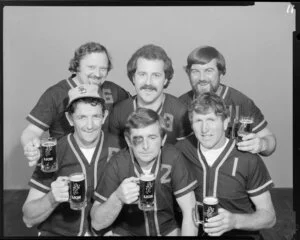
150 70
117 193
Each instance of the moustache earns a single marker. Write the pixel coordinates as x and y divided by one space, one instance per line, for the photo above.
149 87
203 82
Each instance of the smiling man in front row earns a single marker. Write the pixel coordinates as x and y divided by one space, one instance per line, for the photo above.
117 194
240 180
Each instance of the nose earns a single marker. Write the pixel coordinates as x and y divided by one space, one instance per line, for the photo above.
204 127
148 80
89 123
97 72
145 144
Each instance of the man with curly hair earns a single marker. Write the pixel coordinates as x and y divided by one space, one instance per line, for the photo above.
90 65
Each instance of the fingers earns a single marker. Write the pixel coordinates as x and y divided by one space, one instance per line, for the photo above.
132 179
32 152
36 142
250 143
128 191
60 189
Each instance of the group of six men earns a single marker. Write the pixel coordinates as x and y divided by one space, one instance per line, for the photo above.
113 137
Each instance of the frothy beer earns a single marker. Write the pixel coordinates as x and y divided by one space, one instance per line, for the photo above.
77 191
210 207
245 127
147 188
48 154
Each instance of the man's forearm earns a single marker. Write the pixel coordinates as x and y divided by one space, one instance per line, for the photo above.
103 215
268 145
189 227
36 211
255 221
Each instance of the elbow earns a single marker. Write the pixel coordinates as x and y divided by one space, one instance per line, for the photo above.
272 221
95 225
27 222
26 219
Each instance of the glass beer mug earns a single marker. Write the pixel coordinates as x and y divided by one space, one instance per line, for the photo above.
245 127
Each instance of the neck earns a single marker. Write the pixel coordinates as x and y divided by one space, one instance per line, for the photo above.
153 105
84 144
220 144
77 80
146 165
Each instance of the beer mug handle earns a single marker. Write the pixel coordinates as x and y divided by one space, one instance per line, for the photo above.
196 216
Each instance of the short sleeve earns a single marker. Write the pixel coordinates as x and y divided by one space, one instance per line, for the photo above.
41 181
183 181
44 112
109 182
259 179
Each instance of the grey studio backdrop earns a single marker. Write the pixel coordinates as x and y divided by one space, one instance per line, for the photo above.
255 40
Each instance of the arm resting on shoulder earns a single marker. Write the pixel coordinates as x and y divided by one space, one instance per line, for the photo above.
268 142
37 207
187 204
263 217
103 215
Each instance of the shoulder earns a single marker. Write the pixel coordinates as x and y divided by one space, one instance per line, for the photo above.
188 142
112 140
251 159
112 85
174 103
170 152
124 106
58 91
186 97
121 159
236 95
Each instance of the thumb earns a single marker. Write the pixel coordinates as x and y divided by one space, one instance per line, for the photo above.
131 179
62 179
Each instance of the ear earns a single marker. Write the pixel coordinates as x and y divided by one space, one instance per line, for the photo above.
226 122
127 140
133 79
70 119
164 139
165 82
104 116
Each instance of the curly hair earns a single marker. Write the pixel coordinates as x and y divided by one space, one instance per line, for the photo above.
85 49
151 52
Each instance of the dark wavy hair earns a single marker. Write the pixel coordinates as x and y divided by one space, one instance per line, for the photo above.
203 55
144 117
151 52
85 49
90 100
206 102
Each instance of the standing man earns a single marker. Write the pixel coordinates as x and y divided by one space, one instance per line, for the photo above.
87 150
205 66
117 194
150 70
90 65
240 180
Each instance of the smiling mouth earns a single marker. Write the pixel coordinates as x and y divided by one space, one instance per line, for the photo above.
203 83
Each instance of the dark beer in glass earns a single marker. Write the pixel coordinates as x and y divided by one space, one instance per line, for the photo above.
147 188
77 191
48 155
